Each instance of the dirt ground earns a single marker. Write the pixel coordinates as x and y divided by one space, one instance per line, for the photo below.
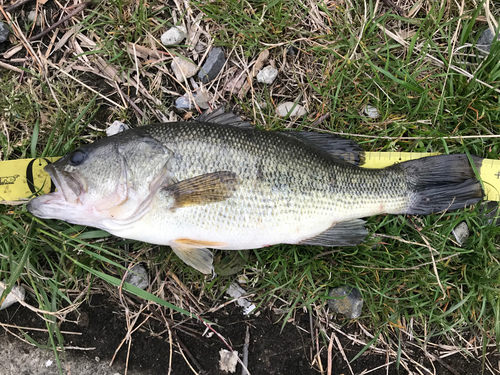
273 348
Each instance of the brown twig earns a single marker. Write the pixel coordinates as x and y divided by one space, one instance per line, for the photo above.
320 119
62 20
244 370
330 362
185 349
339 345
16 5
22 38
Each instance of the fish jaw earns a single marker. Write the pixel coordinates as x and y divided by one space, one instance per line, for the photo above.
55 206
60 204
68 201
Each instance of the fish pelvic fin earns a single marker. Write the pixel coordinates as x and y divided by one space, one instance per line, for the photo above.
204 189
347 233
443 182
200 259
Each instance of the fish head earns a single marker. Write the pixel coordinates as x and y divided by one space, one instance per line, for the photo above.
109 179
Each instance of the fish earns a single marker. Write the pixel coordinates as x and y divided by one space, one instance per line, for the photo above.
220 183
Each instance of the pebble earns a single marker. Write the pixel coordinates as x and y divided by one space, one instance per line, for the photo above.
213 65
183 102
371 111
201 98
292 51
284 108
485 40
183 67
4 32
173 36
16 293
116 127
267 75
461 232
138 276
350 305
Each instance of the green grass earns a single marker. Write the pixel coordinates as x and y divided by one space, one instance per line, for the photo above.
334 73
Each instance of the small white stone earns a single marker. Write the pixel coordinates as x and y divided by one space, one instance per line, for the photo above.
371 111
174 35
183 67
17 293
284 108
267 75
228 360
461 232
116 127
48 363
32 15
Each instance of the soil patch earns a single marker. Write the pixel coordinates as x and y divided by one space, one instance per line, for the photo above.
99 327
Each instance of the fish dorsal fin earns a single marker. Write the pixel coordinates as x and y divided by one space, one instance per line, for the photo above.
218 116
203 189
198 258
347 233
341 149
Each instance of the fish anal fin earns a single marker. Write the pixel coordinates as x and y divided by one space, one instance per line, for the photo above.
198 243
342 150
347 233
218 116
198 258
204 189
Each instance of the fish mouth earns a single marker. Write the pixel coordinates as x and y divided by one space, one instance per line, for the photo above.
66 199
68 184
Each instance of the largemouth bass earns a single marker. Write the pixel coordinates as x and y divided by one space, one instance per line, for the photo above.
217 182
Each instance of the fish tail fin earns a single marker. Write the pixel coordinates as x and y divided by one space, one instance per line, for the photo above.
443 182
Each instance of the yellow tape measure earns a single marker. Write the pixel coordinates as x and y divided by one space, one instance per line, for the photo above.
23 178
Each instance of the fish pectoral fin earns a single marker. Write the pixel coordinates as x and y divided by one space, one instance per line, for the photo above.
347 233
204 189
198 258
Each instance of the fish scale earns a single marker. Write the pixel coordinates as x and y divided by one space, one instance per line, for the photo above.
296 179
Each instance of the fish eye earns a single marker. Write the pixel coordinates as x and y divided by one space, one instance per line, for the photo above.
77 156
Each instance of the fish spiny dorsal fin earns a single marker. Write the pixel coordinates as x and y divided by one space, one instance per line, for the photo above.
204 189
341 149
347 233
218 116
